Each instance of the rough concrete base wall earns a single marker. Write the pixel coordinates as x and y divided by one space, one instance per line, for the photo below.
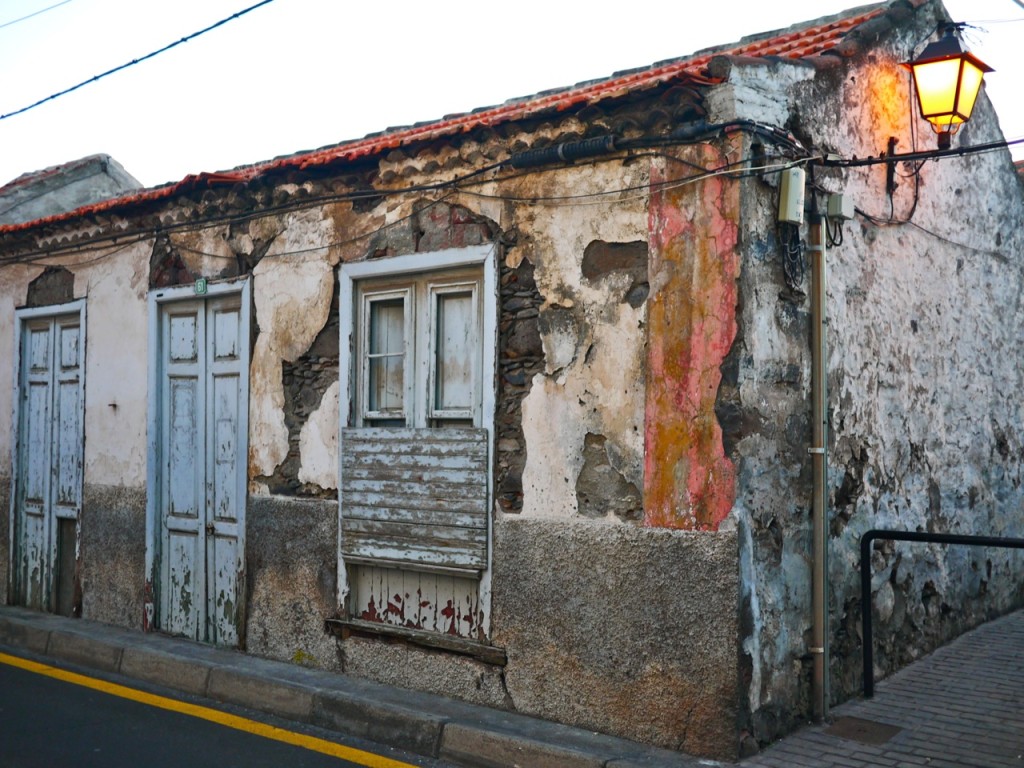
5 534
112 554
628 631
406 666
291 578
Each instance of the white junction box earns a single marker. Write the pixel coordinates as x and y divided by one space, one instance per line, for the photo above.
791 196
840 206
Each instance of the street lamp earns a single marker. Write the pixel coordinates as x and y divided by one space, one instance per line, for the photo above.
948 79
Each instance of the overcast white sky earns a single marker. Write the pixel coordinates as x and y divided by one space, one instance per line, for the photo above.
300 74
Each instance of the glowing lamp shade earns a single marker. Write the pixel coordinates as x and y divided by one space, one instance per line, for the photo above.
948 79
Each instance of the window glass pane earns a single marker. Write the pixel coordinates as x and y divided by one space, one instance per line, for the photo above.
386 356
387 326
455 350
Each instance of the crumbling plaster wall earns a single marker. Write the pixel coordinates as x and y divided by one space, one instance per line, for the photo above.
14 280
113 524
573 351
593 340
117 366
109 570
924 336
293 287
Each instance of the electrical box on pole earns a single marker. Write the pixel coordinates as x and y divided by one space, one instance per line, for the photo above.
791 196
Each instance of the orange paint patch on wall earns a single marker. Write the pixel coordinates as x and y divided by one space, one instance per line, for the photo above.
689 482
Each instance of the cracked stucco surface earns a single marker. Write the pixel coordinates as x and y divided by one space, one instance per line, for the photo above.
318 442
594 378
292 294
925 329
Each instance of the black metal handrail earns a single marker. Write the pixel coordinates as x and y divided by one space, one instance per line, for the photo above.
865 578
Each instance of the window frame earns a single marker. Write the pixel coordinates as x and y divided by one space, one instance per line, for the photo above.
414 267
366 300
434 290
483 257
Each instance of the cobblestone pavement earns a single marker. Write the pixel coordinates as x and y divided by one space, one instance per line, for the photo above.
961 707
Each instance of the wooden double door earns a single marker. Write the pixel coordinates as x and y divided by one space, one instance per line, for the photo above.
200 466
47 499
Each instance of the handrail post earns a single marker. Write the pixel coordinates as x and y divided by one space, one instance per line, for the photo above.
865 578
865 614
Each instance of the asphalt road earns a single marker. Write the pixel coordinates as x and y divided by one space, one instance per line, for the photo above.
50 723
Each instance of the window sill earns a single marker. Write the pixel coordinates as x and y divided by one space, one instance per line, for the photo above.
488 654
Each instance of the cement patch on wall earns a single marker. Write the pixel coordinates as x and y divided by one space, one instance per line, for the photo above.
629 631
112 557
437 672
291 575
318 442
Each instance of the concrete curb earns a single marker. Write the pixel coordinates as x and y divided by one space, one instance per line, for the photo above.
433 726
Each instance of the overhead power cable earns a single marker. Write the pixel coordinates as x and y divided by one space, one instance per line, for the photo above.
133 62
12 22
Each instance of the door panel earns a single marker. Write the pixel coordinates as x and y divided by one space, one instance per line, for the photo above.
184 449
227 471
37 446
183 560
49 452
204 358
182 583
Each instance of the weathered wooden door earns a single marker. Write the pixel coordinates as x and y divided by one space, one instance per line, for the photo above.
201 479
48 454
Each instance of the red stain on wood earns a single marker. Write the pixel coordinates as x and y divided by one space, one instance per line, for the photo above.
371 614
689 482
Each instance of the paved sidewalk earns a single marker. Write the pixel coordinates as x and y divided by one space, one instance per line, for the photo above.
960 707
452 731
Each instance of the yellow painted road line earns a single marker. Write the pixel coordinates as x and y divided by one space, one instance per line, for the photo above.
311 743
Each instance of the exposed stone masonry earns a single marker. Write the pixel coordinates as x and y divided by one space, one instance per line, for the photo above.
305 382
521 357
55 286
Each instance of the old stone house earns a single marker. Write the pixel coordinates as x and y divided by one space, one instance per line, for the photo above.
514 405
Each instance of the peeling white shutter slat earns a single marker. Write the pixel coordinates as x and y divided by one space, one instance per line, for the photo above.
415 496
451 515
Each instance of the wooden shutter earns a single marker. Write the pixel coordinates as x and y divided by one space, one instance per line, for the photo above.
415 496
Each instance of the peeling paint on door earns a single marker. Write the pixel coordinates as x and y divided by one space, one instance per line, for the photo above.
202 467
48 480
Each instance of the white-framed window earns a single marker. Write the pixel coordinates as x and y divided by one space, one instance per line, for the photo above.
419 356
384 356
418 363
